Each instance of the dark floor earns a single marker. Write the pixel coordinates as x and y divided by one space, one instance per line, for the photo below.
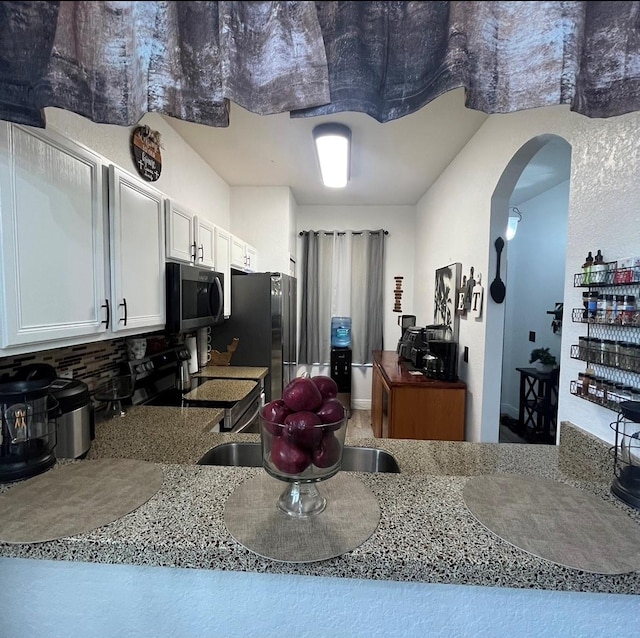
510 432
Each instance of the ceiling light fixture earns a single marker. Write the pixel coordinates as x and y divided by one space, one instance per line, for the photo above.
515 216
333 149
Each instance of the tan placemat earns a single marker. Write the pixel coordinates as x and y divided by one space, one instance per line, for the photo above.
253 519
75 499
557 522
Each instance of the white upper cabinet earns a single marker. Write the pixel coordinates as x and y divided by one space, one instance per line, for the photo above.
223 264
243 255
205 242
136 215
190 238
53 282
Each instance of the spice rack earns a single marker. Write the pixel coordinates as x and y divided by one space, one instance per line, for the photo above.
611 347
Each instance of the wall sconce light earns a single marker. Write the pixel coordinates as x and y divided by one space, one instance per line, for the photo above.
515 216
333 148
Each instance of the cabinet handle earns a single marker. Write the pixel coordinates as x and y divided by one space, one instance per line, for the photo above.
106 305
193 254
124 304
201 249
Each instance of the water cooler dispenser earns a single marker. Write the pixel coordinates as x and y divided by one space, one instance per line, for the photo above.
341 359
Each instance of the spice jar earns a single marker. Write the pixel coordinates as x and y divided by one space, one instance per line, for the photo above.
614 393
628 314
596 350
592 306
583 347
587 379
608 352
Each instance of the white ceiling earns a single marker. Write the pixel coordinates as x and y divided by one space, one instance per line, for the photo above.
391 164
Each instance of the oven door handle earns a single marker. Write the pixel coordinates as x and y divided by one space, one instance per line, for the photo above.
248 421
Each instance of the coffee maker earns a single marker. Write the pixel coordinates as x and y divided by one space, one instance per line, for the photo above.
441 360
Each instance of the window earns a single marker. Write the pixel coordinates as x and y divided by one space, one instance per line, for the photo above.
342 275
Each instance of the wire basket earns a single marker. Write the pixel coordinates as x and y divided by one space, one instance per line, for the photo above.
626 451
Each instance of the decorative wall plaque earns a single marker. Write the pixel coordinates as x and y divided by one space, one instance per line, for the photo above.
145 147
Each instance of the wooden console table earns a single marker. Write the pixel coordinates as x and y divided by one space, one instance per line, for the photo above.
406 406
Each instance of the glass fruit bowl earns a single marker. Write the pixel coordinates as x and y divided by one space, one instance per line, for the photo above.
302 455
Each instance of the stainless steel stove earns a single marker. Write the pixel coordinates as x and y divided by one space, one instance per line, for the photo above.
157 381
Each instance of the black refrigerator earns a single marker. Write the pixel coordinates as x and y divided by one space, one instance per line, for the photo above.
263 318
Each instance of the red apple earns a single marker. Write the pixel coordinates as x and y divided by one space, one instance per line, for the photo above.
328 452
288 457
301 428
302 395
274 413
327 386
332 411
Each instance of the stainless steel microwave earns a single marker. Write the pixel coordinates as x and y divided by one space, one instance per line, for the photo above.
195 297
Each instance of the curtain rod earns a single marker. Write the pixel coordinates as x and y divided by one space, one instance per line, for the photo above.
340 232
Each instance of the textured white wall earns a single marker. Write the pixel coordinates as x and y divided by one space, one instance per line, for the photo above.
262 216
604 210
185 176
46 599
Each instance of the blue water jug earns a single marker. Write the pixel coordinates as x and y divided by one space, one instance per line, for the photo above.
340 332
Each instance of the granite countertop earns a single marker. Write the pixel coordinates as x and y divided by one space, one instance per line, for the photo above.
233 372
221 390
425 534
156 434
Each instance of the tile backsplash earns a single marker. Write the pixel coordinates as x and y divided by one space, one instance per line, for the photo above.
91 363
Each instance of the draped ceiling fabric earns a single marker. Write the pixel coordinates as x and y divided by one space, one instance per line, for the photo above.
114 61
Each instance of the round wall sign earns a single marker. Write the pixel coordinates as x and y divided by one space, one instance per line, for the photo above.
145 146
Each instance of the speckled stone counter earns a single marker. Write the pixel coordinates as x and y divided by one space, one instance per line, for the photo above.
156 434
233 372
221 390
426 533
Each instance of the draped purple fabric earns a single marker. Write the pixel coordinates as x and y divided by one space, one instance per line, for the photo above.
114 61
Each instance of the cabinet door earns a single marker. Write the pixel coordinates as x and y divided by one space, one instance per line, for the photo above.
238 257
180 229
205 242
138 254
223 264
252 258
52 238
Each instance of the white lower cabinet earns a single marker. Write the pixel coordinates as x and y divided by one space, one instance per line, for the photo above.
136 215
52 220
74 268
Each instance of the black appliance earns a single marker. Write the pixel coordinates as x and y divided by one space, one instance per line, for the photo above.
413 336
341 374
76 422
263 318
441 361
75 415
158 384
195 297
28 424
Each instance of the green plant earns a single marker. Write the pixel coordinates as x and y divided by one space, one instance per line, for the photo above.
543 356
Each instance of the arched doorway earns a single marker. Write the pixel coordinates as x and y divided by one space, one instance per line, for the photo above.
536 182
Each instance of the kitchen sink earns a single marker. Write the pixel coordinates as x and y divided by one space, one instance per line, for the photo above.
354 459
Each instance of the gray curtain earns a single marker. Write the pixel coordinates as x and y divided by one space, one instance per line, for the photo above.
365 275
114 61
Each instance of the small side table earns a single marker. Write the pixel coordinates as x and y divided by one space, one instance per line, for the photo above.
538 409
